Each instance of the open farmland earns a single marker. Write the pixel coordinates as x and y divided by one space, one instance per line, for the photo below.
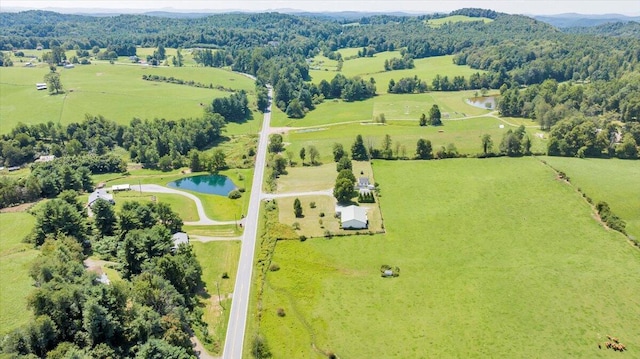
116 92
498 259
464 134
616 182
366 67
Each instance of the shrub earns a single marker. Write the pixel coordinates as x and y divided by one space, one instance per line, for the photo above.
303 238
296 225
235 194
281 312
312 205
225 275
321 214
328 234
241 189
274 267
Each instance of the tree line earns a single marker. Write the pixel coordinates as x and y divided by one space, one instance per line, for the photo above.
151 312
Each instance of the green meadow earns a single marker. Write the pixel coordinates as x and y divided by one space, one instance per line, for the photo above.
373 67
465 134
15 262
456 18
115 91
610 180
497 259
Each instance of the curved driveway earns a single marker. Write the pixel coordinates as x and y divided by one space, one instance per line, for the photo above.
204 220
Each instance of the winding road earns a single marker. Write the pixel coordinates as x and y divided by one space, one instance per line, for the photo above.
204 220
238 317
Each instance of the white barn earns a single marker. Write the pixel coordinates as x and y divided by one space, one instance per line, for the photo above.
353 217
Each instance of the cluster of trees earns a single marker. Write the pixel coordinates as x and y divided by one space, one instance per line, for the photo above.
150 313
48 179
407 85
234 108
209 58
434 119
5 59
396 63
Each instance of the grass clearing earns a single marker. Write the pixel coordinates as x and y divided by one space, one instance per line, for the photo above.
610 180
94 89
217 258
15 262
491 265
373 67
464 134
456 18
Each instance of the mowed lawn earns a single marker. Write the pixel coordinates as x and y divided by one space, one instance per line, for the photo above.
15 262
498 259
115 91
614 181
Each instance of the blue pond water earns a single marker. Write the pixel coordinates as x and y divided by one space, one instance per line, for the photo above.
211 184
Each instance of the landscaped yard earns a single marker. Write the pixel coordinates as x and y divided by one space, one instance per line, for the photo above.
498 258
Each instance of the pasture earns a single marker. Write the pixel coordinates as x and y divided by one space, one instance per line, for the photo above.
611 180
373 67
465 134
456 18
406 106
115 91
15 263
498 259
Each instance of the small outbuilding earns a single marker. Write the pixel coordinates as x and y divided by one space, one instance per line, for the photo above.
41 86
121 187
354 217
179 238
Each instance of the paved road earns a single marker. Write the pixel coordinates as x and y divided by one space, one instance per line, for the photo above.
204 220
326 192
238 317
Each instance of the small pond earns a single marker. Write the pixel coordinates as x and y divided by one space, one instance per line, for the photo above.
486 102
210 184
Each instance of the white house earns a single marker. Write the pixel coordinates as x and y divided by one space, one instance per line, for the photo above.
353 217
179 238
100 194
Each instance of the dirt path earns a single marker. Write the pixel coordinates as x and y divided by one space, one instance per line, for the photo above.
205 239
326 192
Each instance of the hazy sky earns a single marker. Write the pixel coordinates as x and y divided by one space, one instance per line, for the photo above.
538 7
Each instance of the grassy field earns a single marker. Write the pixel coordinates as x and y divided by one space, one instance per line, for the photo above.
456 18
497 259
408 106
613 181
465 134
115 91
366 67
217 258
15 262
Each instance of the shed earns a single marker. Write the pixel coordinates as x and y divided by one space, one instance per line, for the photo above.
179 238
47 158
100 194
353 217
41 86
121 187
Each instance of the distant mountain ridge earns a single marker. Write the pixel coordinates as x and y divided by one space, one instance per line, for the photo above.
582 20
